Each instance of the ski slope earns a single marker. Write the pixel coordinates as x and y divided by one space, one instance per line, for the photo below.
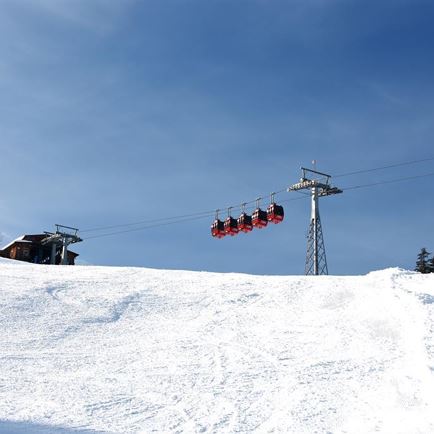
134 350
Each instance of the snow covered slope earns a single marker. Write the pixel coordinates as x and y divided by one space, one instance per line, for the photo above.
128 350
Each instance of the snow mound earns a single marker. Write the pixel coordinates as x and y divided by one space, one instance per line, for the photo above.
132 350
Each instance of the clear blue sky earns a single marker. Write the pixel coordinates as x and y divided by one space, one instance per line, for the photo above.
114 112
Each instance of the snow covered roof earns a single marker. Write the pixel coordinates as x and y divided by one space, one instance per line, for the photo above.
21 239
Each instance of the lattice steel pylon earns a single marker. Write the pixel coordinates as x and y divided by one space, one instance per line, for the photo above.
316 260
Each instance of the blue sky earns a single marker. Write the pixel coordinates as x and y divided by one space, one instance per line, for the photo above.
116 112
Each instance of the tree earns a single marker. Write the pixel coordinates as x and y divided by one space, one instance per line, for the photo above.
431 265
422 264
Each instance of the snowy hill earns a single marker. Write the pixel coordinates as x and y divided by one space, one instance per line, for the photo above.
128 350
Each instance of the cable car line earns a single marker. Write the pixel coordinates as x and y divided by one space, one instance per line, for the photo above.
142 222
390 181
146 227
163 221
181 220
407 163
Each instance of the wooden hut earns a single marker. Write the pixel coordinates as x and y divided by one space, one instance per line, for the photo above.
29 248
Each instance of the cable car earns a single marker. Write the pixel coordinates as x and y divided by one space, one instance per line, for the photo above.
244 220
231 224
259 217
218 227
245 223
275 213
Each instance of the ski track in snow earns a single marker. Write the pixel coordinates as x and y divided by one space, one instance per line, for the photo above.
130 350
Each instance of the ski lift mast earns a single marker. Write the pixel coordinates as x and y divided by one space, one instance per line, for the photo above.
319 185
63 237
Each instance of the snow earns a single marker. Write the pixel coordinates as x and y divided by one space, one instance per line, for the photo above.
19 239
134 350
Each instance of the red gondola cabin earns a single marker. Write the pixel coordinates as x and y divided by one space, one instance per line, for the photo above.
231 226
275 213
259 218
245 222
218 229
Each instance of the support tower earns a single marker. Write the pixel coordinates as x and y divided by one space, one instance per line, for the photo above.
60 240
316 261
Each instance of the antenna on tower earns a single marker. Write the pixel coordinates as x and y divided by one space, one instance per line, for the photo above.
319 185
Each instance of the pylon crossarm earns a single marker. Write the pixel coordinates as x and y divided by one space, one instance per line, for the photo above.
329 191
307 184
302 185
